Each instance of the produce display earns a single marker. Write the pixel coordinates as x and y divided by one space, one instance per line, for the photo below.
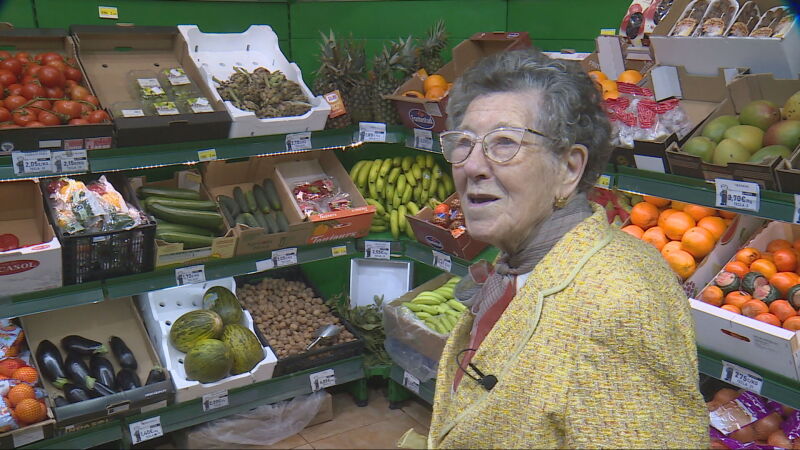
166 92
396 186
181 216
320 194
618 204
435 87
268 95
438 309
22 400
44 90
259 207
684 233
743 419
757 135
288 313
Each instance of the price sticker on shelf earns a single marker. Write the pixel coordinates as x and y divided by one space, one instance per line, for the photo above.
339 250
108 12
744 378
604 181
423 139
796 214
442 261
264 264
298 141
145 430
372 132
70 161
411 382
285 257
737 194
35 162
209 154
190 275
378 249
215 400
322 380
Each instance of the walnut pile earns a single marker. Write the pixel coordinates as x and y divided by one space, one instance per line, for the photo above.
288 314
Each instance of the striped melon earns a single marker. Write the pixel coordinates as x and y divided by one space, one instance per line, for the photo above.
194 326
245 348
223 302
208 361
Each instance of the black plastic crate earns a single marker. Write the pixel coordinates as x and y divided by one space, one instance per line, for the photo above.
96 256
317 356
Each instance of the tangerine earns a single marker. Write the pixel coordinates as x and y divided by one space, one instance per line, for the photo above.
765 267
731 308
610 94
785 259
737 298
29 411
737 267
630 76
769 318
747 255
658 201
712 295
663 216
26 374
20 392
768 256
670 247
698 212
727 214
644 214
792 323
715 225
698 241
435 93
682 263
777 244
9 365
782 309
676 224
434 81
608 85
678 205
754 307
783 281
634 231
655 236
597 76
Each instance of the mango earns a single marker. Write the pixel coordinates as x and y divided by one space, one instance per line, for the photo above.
791 109
701 147
749 136
760 113
785 132
716 127
769 152
730 150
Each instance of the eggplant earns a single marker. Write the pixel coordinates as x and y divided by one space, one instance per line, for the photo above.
123 353
60 401
77 371
156 374
81 345
127 379
102 390
102 371
51 364
75 393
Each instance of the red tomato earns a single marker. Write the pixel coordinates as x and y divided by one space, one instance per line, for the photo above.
51 56
70 108
5 116
55 92
5 54
13 102
48 118
98 116
86 109
78 122
70 83
42 104
60 65
32 90
79 93
12 65
7 77
23 56
23 117
30 79
93 100
34 124
32 69
51 77
73 74
14 89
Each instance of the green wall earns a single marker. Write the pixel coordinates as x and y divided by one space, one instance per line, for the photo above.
18 13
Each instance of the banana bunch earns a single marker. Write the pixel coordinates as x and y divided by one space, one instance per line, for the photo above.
438 308
396 186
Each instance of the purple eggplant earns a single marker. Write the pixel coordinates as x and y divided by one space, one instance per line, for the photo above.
77 371
156 374
81 345
60 401
127 379
102 389
75 393
51 364
102 371
124 355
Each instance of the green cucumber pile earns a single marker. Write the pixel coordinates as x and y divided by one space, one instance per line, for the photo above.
438 309
181 216
259 207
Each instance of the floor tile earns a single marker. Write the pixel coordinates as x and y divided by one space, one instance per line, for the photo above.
295 441
347 416
419 411
383 434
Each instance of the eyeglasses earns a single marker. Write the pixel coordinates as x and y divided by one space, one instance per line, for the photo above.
499 145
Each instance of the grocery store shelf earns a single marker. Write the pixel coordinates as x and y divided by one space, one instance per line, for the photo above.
41 301
425 391
91 437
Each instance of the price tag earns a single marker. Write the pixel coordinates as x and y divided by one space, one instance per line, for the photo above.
209 154
442 261
200 105
737 194
69 161
108 12
298 141
264 264
339 250
26 163
372 132
177 77
285 257
190 275
604 181
739 376
150 87
411 382
796 218
322 380
215 400
378 249
132 113
608 31
423 139
145 430
26 437
166 108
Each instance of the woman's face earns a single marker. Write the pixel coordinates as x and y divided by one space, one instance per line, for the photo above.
504 202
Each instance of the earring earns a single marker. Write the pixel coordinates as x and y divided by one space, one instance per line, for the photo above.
561 202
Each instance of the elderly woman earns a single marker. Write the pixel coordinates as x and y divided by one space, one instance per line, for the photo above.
580 335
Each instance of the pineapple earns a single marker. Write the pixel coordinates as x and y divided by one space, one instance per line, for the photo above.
390 68
329 76
430 52
359 103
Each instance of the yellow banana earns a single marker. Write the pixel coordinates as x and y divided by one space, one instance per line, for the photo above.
397 160
441 191
410 178
407 162
426 179
407 194
420 159
429 161
379 209
374 169
412 207
416 170
363 174
393 175
401 183
394 225
387 164
390 188
373 189
401 217
380 186
356 167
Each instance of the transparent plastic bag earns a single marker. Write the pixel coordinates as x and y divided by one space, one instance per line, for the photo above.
413 362
638 117
739 413
320 195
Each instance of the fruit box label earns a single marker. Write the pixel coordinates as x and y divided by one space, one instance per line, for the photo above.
343 228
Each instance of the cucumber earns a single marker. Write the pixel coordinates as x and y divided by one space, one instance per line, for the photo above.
272 222
231 204
247 219
272 194
226 213
251 201
261 220
204 219
238 195
261 199
185 194
283 224
188 240
203 205
166 226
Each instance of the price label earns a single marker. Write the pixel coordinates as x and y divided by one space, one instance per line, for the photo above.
132 113
264 264
298 141
796 215
739 376
322 380
411 382
285 257
108 12
200 105
442 261
378 249
27 163
737 194
190 275
423 139
372 132
166 108
608 31
145 430
177 77
209 154
69 161
215 400
339 250
604 181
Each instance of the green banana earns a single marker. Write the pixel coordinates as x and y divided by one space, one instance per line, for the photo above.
373 189
393 175
396 161
356 167
363 174
449 186
423 197
426 179
412 207
378 205
380 186
410 232
407 194
407 162
417 192
419 158
377 228
416 170
374 169
412 306
402 181
423 315
436 172
455 304
441 191
385 166
401 217
429 160
389 192
410 178
394 225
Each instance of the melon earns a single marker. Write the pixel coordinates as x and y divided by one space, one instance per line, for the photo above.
223 302
209 360
193 327
245 348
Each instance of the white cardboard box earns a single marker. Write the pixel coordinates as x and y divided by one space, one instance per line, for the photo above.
216 54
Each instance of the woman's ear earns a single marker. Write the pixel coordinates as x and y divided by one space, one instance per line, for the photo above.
573 163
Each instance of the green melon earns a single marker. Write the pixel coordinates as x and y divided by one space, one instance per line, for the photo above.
193 327
208 361
223 302
244 346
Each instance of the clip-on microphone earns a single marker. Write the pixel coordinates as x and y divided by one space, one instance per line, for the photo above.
486 381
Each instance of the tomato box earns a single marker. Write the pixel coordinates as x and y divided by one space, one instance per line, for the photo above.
463 246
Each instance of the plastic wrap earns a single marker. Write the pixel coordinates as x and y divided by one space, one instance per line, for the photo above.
320 195
638 117
11 339
791 426
718 18
775 22
737 414
746 20
690 19
413 362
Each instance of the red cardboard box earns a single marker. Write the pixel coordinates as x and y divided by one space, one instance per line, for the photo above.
464 246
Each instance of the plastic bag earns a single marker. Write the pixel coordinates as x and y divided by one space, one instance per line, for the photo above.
638 117
738 413
413 362
11 339
320 195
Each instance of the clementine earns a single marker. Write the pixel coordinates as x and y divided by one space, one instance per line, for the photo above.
630 76
682 263
737 267
434 81
633 230
754 307
663 216
785 259
783 281
670 246
782 309
698 241
656 237
435 93
644 214
608 85
698 212
771 319
678 205
658 201
676 224
715 225
765 267
747 255
610 94
732 308
597 76
792 323
712 295
726 214
777 244
737 298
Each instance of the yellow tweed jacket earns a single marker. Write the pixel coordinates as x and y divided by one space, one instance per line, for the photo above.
596 350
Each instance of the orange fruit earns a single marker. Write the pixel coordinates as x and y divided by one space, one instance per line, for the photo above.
610 94
608 85
656 237
663 216
765 267
712 295
726 214
26 374
634 231
783 281
9 365
782 309
678 205
658 201
682 263
778 244
732 308
630 76
715 225
771 319
434 81
737 298
435 93
737 267
597 76
796 244
785 259
754 307
645 215
670 247
747 255
792 323
20 392
676 224
698 241
29 411
768 256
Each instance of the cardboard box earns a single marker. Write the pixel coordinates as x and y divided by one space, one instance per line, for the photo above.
107 55
29 434
37 265
216 55
431 115
464 246
402 325
788 173
173 253
748 340
58 137
222 177
330 226
100 321
741 91
704 55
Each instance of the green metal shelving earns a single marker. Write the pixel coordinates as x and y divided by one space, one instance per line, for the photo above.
424 390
